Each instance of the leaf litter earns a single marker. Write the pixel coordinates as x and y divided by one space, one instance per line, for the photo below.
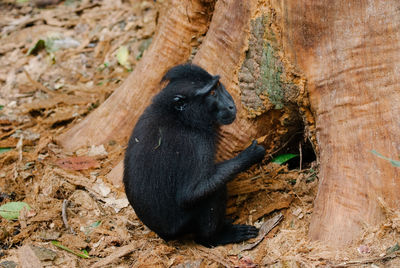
61 61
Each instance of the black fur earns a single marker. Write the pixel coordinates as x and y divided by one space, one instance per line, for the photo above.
170 177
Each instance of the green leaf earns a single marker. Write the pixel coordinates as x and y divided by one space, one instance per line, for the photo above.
95 224
393 162
58 244
11 210
5 149
89 229
1 107
123 57
41 44
283 158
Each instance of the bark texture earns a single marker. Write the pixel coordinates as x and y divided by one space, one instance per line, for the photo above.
350 54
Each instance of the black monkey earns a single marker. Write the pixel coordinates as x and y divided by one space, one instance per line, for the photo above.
170 177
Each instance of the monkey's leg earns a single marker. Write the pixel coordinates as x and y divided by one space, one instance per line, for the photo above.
230 233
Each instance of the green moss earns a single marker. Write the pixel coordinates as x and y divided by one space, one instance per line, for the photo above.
271 76
261 77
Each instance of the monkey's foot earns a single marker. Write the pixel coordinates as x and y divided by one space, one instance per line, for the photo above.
230 234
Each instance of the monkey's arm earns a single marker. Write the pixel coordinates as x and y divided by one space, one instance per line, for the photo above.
198 189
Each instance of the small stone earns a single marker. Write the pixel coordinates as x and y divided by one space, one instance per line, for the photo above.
49 235
364 249
297 212
8 264
98 151
44 254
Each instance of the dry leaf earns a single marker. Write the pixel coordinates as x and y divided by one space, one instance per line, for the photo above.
78 163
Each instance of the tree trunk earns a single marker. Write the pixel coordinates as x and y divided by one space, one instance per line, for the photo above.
222 52
266 52
350 54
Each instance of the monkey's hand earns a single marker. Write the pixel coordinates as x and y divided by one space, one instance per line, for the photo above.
252 154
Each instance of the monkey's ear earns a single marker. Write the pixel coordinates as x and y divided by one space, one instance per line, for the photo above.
179 102
207 88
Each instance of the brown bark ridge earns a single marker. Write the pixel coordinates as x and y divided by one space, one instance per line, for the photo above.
350 53
181 23
221 53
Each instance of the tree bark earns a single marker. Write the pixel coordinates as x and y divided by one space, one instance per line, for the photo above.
350 53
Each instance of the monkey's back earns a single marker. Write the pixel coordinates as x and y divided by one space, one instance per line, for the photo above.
162 155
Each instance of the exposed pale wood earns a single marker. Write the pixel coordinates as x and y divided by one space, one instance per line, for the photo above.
350 53
180 24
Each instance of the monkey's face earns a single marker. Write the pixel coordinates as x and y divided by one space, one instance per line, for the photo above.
196 98
210 104
221 105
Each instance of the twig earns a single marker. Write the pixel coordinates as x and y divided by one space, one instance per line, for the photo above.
301 155
19 147
264 230
312 146
367 261
64 216
115 256
37 84
284 145
7 134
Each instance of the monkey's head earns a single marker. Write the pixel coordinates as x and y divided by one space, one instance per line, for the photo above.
196 97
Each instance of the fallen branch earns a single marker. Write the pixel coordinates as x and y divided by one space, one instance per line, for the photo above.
64 216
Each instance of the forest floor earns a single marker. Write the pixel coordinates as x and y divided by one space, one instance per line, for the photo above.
61 61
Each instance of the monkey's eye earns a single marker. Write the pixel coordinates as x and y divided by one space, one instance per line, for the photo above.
179 102
213 93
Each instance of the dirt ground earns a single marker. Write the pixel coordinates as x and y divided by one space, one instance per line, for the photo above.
61 61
